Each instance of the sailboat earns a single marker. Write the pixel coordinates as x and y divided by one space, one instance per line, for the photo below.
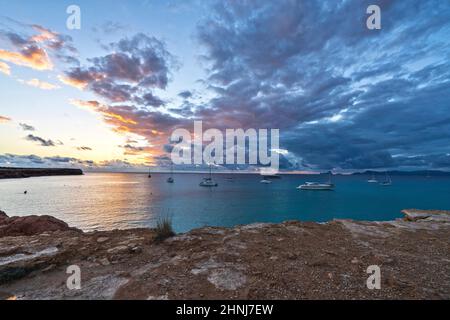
170 179
316 186
149 175
208 182
387 182
373 179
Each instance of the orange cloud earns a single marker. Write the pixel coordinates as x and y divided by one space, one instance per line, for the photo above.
107 112
45 34
79 84
4 68
32 57
4 119
40 84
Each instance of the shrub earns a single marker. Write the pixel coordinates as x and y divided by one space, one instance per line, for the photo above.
164 228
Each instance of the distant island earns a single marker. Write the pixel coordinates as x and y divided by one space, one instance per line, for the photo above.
12 173
431 173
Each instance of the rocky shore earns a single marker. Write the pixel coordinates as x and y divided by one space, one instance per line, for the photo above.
12 173
290 260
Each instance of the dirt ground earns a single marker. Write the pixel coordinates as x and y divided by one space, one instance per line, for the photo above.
291 260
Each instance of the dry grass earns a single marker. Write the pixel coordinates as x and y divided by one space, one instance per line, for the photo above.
164 228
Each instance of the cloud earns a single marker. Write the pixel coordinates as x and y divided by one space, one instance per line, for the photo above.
26 127
31 56
4 119
84 148
33 161
110 27
185 94
31 46
129 74
342 96
4 68
40 84
41 141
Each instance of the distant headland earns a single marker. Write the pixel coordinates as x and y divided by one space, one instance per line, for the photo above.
12 173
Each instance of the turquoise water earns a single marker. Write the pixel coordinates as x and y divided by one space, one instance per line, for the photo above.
121 200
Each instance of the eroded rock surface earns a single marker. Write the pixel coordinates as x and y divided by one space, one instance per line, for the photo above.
30 225
291 260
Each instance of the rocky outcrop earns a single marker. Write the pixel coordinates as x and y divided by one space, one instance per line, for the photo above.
290 260
30 225
11 173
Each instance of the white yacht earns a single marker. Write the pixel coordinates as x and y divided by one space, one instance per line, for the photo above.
387 182
208 182
317 186
373 179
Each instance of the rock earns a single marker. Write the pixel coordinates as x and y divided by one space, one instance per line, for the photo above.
102 239
3 215
30 225
118 250
104 261
136 250
227 279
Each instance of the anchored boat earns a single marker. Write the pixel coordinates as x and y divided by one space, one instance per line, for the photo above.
209 182
317 186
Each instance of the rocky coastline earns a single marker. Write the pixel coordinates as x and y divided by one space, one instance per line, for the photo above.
290 260
14 173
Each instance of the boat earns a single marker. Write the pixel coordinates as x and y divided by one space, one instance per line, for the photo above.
209 182
317 186
387 182
170 179
372 180
149 175
265 181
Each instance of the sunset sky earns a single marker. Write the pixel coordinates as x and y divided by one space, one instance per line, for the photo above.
109 95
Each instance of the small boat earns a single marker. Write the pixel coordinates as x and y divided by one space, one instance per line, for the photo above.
149 175
372 180
387 182
170 179
266 181
209 182
316 186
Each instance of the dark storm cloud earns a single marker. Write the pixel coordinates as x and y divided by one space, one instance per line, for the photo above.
41 141
342 95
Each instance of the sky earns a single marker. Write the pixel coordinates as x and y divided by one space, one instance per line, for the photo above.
109 95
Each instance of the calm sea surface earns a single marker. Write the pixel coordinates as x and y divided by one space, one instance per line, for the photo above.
122 200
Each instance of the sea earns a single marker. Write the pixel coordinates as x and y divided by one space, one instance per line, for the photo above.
106 201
